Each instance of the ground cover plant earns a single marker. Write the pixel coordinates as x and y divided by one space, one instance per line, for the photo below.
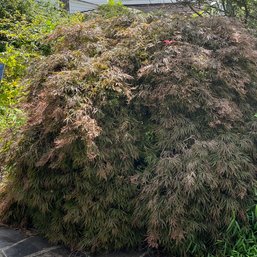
140 132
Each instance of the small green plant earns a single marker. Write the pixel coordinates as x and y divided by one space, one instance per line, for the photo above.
113 2
239 241
113 9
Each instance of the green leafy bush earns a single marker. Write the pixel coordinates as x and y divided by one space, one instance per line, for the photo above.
9 8
23 28
140 130
112 9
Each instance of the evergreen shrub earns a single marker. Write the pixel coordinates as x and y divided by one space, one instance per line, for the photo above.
140 131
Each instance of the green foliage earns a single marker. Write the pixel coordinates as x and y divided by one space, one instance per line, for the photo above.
9 8
113 9
241 241
29 29
24 26
245 10
11 89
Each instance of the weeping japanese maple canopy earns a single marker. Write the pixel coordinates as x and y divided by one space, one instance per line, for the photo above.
140 130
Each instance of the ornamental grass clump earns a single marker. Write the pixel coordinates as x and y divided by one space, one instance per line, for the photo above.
140 132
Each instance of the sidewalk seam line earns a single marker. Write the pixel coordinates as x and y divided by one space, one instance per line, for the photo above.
43 251
10 246
3 253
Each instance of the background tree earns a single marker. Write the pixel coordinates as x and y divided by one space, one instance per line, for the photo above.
243 9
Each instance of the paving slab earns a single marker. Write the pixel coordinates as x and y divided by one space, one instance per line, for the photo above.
14 243
27 247
9 237
62 252
122 255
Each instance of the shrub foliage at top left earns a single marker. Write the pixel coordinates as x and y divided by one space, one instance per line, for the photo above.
23 26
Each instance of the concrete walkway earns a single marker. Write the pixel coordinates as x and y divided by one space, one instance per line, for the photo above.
13 243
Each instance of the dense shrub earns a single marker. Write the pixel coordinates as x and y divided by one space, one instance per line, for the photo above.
140 130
